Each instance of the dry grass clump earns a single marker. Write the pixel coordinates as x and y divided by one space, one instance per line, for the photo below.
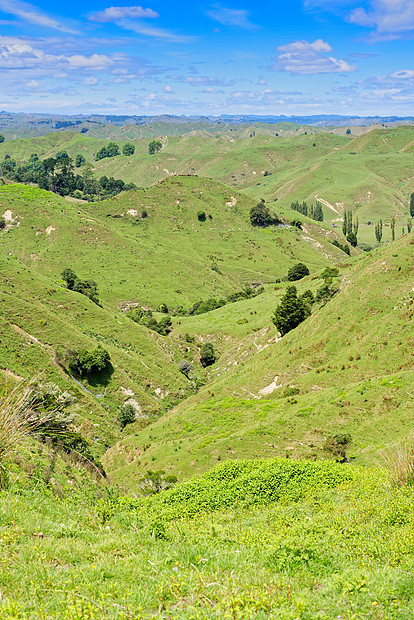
17 421
398 459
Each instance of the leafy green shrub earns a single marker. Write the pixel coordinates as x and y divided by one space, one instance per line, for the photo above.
154 481
111 150
325 293
249 482
79 160
337 446
297 272
163 308
126 415
86 362
201 216
154 146
260 216
208 354
1 138
128 149
186 368
2 223
290 391
342 246
290 312
89 288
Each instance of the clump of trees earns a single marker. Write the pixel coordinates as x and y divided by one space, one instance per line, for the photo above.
378 231
85 287
84 362
342 246
57 174
297 272
154 146
200 307
350 228
111 150
146 318
315 212
261 216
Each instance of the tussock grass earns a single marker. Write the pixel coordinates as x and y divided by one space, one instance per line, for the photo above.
398 460
17 421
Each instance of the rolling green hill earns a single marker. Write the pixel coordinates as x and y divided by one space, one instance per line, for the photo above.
346 369
370 173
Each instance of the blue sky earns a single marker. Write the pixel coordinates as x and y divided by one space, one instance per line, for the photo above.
238 57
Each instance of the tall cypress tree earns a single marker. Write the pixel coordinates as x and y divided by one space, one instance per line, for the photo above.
412 205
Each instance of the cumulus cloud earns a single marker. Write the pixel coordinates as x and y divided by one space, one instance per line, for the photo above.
130 18
236 18
388 17
115 13
17 53
305 58
29 13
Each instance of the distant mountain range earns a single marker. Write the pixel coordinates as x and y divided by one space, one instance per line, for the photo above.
10 119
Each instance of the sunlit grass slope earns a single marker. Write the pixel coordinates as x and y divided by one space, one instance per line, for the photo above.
346 369
170 256
259 540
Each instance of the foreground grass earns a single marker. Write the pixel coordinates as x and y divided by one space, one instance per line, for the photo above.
343 549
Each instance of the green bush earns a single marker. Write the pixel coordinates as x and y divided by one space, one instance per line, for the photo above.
87 362
249 482
154 146
126 415
128 149
260 216
297 272
201 216
208 354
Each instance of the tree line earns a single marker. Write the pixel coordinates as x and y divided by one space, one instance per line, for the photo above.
57 174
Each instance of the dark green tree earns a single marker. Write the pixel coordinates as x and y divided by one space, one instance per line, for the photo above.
297 272
1 138
412 204
352 239
378 231
208 354
154 146
261 216
290 312
393 228
79 160
409 225
128 149
89 362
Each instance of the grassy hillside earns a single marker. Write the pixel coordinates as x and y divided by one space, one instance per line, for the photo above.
345 370
170 256
248 540
370 173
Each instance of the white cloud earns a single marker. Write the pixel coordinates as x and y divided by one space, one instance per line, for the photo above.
236 18
29 13
304 46
149 31
90 81
305 58
115 13
168 88
392 17
389 19
17 53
